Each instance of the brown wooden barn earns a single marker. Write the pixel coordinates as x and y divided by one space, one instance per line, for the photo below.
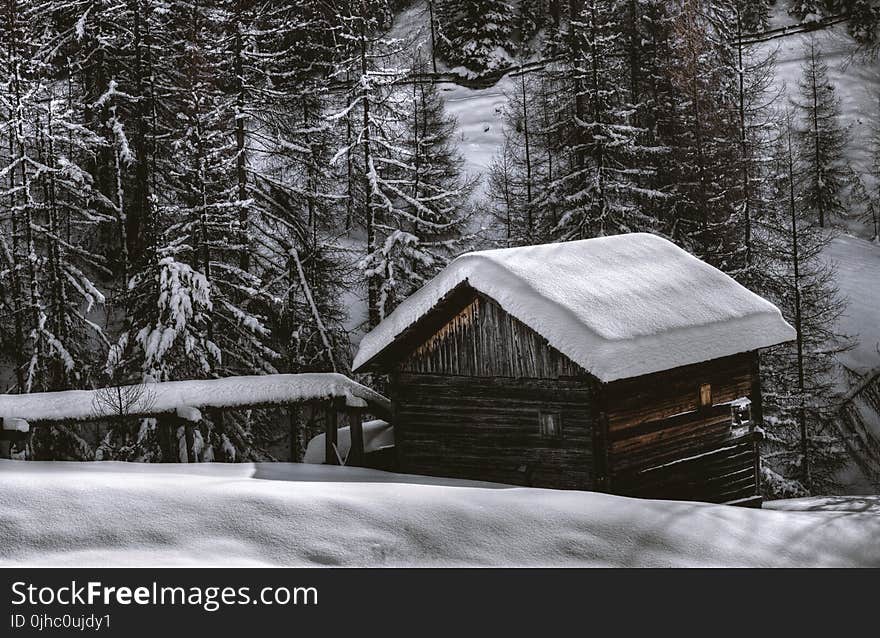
621 364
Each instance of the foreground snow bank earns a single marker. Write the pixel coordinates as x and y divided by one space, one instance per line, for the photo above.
290 514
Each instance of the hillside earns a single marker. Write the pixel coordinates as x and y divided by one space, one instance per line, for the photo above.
288 514
856 79
857 263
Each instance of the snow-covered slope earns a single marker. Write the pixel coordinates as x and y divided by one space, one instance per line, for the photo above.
287 514
857 267
857 263
479 117
856 78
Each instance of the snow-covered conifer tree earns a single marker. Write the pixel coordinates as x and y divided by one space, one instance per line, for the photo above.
803 448
524 168
597 188
699 125
755 101
407 204
821 139
476 34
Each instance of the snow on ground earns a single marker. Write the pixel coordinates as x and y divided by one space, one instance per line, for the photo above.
477 111
856 78
857 266
89 514
378 435
866 504
644 305
479 115
857 263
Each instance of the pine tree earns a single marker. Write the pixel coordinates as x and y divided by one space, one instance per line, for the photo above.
754 15
755 101
505 198
803 448
517 174
699 125
873 198
476 34
407 203
295 200
523 167
821 139
532 16
430 226
46 285
598 190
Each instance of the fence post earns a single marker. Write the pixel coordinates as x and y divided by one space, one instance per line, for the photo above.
356 427
331 427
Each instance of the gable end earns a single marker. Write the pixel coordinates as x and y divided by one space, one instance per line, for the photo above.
480 339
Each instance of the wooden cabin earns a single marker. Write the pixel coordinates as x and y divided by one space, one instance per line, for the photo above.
621 364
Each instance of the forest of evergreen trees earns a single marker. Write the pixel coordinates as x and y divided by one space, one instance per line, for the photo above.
209 188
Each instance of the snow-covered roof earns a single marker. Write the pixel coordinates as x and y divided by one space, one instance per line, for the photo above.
618 306
174 396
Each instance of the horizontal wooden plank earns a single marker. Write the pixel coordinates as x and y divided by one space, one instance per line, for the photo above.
714 475
634 402
489 429
654 458
662 427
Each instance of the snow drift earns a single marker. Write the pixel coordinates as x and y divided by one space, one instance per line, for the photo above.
90 514
619 306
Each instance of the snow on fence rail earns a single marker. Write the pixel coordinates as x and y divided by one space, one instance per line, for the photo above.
167 397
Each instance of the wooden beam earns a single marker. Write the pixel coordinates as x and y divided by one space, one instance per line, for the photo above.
293 424
601 439
189 437
331 429
757 409
356 428
168 438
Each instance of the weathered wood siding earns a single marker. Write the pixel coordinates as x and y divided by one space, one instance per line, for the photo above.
468 392
488 429
468 399
482 340
659 440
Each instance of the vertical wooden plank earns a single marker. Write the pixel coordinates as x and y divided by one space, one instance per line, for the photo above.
331 429
396 422
168 438
5 444
293 425
757 414
599 413
356 427
189 437
755 396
